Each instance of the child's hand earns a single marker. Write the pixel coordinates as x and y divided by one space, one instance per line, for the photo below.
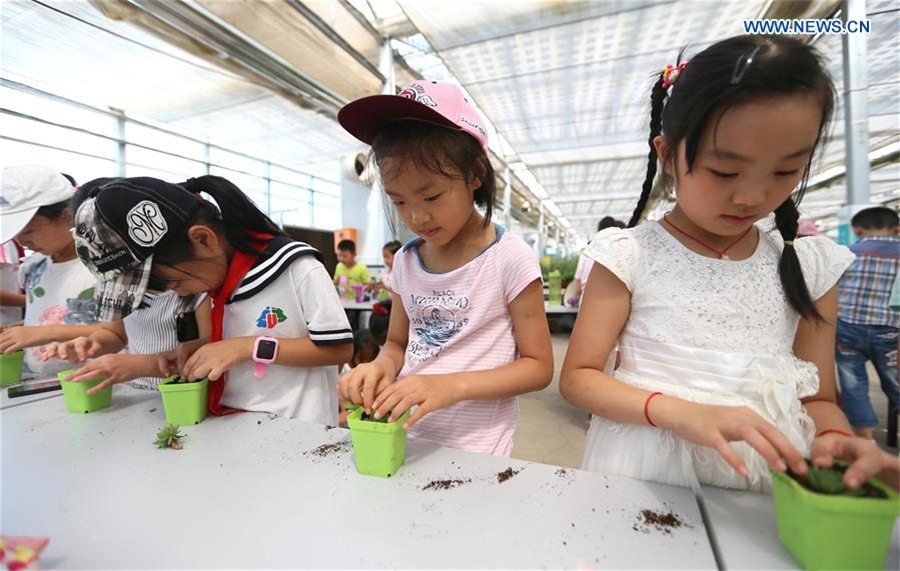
77 350
173 362
213 359
365 382
716 426
865 457
430 392
18 338
114 368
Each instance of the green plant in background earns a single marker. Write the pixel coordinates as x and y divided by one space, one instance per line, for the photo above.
829 481
565 266
168 437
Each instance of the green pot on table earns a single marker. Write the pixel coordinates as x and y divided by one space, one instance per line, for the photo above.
11 368
379 448
834 532
76 397
184 403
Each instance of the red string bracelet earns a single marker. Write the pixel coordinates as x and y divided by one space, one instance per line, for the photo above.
647 408
835 430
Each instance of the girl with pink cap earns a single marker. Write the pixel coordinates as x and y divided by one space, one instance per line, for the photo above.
468 332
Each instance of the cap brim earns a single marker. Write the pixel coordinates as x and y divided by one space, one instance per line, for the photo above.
13 222
122 294
364 117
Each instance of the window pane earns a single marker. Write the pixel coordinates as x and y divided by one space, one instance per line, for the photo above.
179 169
234 161
252 186
155 139
81 168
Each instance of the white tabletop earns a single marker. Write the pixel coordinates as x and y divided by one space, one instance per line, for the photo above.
746 531
246 492
358 305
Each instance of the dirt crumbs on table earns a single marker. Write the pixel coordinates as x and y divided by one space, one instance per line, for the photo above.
561 472
445 484
152 410
648 520
506 475
326 450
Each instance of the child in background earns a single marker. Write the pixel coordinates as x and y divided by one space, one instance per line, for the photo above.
468 330
384 277
867 325
356 272
35 211
725 326
583 269
278 328
380 320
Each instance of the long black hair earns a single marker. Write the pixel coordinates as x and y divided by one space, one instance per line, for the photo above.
731 73
236 218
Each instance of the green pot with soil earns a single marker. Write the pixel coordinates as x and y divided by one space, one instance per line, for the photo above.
184 401
826 526
379 447
11 368
76 397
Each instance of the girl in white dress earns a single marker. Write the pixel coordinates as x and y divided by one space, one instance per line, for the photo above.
724 320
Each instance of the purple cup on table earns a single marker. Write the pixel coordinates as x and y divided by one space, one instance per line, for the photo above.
360 290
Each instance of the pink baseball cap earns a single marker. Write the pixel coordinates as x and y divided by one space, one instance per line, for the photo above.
438 103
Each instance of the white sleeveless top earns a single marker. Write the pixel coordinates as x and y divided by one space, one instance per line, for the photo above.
711 331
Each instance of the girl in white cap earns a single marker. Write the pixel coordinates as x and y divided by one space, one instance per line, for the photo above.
468 331
34 206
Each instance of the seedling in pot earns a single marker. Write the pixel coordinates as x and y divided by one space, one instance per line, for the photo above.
168 437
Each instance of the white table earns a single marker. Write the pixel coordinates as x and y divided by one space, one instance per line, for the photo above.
746 531
245 493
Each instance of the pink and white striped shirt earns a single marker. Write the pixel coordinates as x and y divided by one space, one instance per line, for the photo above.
459 321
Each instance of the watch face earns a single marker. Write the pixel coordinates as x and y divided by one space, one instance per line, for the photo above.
265 349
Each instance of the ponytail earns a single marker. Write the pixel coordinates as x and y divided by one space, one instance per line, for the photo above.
789 270
237 217
657 98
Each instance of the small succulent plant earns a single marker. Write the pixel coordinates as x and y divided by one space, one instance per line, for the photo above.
168 437
829 481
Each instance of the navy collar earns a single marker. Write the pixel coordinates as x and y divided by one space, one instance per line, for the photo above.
275 259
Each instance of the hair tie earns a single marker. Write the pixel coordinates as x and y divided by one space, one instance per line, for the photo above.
789 243
671 74
191 185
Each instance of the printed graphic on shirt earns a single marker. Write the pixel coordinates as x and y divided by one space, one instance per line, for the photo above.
270 317
435 319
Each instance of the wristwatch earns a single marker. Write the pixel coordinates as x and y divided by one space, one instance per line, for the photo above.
265 351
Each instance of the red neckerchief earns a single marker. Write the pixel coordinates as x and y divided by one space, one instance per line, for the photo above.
238 267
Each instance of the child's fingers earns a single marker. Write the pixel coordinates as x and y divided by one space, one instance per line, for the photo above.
85 374
388 400
108 382
415 417
791 455
369 387
867 465
721 446
759 443
405 403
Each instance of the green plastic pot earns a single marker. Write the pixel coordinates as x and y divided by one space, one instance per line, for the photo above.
76 397
834 532
185 403
379 447
11 368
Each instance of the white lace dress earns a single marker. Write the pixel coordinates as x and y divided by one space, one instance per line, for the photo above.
710 331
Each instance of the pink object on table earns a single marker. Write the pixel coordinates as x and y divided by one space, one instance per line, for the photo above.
20 552
360 290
